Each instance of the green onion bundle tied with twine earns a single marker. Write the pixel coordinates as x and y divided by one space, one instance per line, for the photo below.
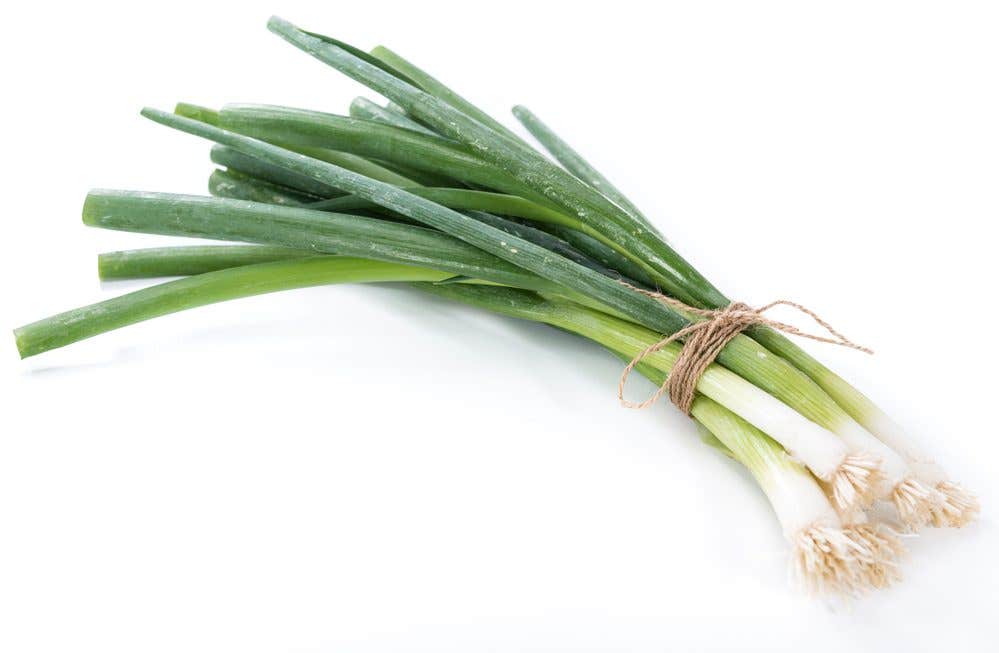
431 191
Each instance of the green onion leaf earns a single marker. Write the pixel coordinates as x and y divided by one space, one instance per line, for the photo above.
576 164
212 287
316 232
365 109
223 183
185 261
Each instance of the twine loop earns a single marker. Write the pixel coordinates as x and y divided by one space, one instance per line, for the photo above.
704 340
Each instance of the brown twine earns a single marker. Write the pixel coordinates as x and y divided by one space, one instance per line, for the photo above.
705 340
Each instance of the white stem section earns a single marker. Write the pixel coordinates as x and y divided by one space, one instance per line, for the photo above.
816 447
798 500
795 495
888 431
893 466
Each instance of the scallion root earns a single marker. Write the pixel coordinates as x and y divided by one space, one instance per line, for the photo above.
916 502
844 561
878 551
855 483
958 508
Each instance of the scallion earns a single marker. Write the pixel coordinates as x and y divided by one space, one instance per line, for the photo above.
432 191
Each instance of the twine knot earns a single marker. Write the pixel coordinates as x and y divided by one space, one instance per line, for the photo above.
704 340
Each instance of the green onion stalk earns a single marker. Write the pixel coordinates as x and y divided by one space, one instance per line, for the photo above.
830 552
856 473
525 265
202 289
311 129
365 109
577 165
231 183
460 199
475 202
432 104
397 174
300 128
293 127
273 269
955 506
315 232
827 554
321 232
433 192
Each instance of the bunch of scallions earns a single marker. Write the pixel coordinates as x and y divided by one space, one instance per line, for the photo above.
430 191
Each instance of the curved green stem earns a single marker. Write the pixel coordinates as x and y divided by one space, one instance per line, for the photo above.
209 288
316 232
229 183
523 163
438 89
297 128
577 165
312 131
742 355
365 109
186 261
565 239
238 164
463 199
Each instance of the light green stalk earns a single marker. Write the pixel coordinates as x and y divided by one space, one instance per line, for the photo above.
187 261
212 287
742 354
222 285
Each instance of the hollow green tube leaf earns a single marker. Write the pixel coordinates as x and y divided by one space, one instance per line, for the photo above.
275 175
212 287
742 355
186 261
365 109
298 228
670 271
516 250
525 164
602 253
298 129
344 159
576 164
438 89
482 206
464 199
229 183
364 56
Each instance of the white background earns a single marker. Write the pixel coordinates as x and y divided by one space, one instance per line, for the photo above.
362 469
